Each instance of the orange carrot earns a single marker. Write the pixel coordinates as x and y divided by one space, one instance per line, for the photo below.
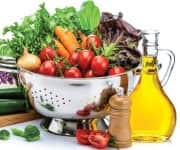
67 39
73 38
61 51
83 39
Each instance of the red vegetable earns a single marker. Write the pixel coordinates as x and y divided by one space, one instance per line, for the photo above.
99 139
85 58
93 40
89 107
89 74
73 72
48 67
99 65
82 113
73 58
116 70
47 53
82 136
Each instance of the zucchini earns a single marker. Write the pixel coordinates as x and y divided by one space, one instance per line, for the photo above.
11 93
8 106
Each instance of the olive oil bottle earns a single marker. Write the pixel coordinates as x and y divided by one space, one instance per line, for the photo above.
153 116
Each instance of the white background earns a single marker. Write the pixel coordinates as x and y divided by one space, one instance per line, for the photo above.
152 14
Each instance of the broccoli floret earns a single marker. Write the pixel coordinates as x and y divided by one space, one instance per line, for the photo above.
4 134
30 133
17 132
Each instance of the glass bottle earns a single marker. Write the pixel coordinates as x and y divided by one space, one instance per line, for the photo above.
153 116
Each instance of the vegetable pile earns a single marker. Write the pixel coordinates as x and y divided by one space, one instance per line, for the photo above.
73 43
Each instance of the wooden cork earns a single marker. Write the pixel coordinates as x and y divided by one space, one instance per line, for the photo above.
119 127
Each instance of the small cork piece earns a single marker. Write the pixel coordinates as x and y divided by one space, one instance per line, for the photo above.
119 127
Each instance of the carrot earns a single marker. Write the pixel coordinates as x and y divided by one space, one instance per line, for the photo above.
67 38
83 39
61 51
73 38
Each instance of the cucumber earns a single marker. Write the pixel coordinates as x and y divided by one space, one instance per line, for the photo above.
11 93
8 106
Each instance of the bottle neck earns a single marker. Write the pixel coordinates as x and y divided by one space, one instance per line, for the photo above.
150 50
150 43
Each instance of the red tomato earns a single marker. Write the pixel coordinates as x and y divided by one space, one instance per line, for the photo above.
85 58
47 53
99 139
89 74
73 58
93 40
82 113
116 70
73 72
48 67
82 136
89 107
99 65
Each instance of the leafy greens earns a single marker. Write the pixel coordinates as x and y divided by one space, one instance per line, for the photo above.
89 17
37 31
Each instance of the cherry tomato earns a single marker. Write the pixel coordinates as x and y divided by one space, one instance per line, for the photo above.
99 65
85 58
73 72
73 58
116 70
48 67
82 136
83 113
89 107
99 139
47 53
89 74
93 40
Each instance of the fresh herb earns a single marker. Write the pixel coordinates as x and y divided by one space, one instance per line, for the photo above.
4 134
65 18
30 133
33 33
89 17
112 142
47 106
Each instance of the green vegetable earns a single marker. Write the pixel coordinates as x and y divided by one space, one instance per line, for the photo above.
34 32
5 50
37 31
4 134
47 106
17 132
12 93
12 106
30 133
89 17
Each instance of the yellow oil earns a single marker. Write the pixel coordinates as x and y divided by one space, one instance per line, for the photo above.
153 116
